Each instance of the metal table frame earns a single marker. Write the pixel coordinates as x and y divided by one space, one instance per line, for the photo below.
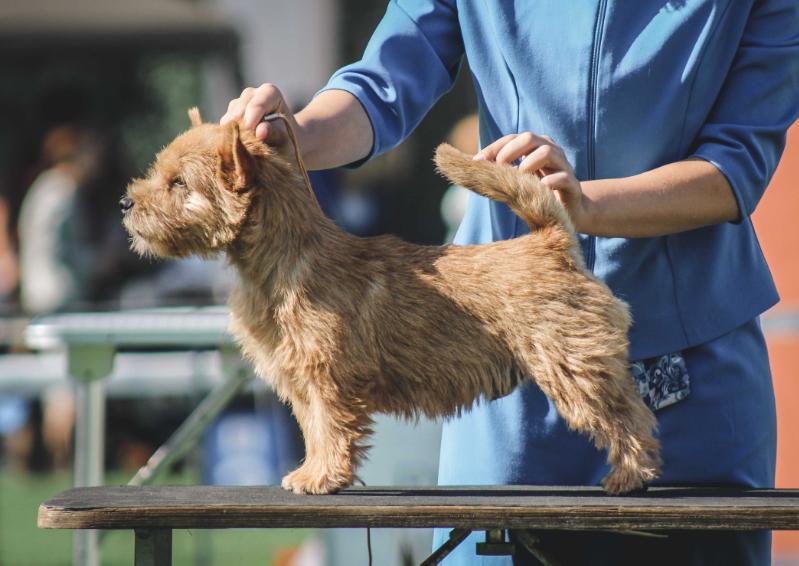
91 341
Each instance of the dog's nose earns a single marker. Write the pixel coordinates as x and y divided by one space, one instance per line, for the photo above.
126 204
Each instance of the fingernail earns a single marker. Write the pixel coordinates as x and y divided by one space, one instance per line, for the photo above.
478 157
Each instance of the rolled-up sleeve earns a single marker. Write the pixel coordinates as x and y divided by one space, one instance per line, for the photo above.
411 60
744 135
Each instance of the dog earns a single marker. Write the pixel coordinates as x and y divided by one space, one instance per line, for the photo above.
344 327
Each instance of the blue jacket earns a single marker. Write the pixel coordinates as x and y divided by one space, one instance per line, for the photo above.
623 87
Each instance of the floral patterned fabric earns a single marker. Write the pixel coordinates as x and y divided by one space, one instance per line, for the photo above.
662 381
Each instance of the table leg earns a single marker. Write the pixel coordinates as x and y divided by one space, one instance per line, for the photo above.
456 536
531 543
88 365
153 547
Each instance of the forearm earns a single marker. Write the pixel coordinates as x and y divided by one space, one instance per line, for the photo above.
673 198
333 130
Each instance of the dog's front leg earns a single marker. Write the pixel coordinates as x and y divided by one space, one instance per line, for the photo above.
331 434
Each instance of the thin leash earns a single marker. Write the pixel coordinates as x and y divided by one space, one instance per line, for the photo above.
368 530
293 137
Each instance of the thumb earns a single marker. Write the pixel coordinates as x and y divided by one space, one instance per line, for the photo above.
272 133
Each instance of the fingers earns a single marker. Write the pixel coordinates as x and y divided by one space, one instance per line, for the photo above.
489 152
559 180
252 105
541 156
265 100
236 107
262 130
547 158
273 133
521 145
508 149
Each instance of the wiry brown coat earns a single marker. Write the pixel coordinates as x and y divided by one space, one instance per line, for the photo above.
344 327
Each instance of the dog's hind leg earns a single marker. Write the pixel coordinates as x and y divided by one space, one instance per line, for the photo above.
597 397
625 428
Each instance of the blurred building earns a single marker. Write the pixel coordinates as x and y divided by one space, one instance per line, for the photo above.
293 45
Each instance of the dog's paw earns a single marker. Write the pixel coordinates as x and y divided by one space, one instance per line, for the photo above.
623 480
308 479
618 484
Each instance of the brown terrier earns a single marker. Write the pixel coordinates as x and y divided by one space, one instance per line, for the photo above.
343 327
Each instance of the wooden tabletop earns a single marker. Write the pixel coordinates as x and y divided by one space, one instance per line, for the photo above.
198 507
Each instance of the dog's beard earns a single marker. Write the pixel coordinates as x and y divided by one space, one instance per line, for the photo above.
156 247
145 248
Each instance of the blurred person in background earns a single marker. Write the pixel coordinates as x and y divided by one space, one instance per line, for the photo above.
662 207
73 252
9 271
55 252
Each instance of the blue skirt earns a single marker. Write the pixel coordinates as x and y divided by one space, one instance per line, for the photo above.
723 432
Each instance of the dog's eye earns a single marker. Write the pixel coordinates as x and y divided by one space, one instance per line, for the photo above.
177 183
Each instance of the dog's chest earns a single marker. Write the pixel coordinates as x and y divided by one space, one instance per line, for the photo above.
280 355
259 343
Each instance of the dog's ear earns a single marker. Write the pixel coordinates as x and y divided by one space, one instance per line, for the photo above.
194 116
236 165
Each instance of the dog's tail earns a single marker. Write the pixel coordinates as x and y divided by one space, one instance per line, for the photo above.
523 193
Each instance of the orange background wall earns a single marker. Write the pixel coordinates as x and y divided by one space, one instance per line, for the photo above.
778 229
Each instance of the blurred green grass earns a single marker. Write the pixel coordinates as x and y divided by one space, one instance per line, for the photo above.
23 544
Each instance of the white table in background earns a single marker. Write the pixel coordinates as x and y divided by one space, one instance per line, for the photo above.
91 341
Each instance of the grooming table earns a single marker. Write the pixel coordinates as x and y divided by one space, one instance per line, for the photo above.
153 512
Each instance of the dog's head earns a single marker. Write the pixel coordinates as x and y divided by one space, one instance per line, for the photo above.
196 195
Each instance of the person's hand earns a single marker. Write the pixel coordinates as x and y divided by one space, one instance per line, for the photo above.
252 105
541 156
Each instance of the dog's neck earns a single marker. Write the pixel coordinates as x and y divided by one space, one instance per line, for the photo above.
284 233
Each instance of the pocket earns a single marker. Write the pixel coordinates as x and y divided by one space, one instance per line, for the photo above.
662 381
